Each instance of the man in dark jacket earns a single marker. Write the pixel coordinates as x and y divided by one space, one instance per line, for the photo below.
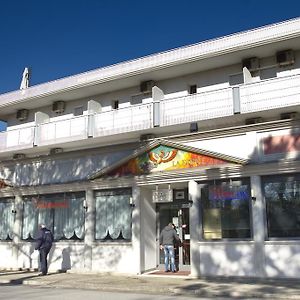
44 242
167 239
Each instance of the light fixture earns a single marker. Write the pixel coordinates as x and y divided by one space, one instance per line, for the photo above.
13 210
253 197
131 202
85 206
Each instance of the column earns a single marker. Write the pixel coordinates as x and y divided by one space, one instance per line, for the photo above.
258 226
195 228
89 229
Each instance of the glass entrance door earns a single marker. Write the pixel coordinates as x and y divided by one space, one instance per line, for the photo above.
179 216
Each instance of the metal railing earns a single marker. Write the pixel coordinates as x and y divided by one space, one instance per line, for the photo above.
197 107
16 139
62 131
270 94
128 119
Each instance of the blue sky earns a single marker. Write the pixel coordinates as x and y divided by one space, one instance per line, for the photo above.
59 38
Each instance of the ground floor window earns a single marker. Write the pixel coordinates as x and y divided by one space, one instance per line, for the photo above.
63 213
282 196
226 209
7 219
113 214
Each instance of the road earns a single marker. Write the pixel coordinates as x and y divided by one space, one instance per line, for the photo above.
21 292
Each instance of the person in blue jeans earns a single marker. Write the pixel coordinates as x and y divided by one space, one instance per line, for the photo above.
167 238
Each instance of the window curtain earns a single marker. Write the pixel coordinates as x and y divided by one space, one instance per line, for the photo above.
69 220
63 213
113 215
7 220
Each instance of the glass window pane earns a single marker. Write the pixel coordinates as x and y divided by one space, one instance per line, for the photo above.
282 197
113 215
7 219
226 209
63 213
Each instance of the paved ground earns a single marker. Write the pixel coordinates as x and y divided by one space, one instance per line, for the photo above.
161 284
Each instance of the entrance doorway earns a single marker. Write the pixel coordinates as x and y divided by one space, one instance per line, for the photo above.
178 214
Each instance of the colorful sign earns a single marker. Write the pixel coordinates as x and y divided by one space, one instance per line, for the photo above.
164 158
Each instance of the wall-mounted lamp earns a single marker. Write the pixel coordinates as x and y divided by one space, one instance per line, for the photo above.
131 202
13 210
85 206
253 197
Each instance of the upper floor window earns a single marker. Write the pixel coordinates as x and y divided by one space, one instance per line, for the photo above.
7 219
115 104
193 89
282 195
63 213
226 209
113 214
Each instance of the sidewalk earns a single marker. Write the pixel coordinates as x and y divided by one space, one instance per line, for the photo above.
161 284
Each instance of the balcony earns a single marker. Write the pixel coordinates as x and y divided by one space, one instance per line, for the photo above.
62 131
196 107
17 139
133 118
271 94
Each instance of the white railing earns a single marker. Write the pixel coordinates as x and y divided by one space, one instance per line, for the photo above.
16 139
197 107
270 94
133 118
62 131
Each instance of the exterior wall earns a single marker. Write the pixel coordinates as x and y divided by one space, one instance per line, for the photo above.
227 259
148 236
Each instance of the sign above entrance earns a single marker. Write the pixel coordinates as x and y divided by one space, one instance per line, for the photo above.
161 156
163 195
164 158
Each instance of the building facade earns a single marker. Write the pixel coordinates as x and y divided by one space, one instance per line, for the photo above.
204 136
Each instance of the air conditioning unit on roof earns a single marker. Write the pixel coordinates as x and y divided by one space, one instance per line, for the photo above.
58 106
146 86
285 58
251 63
22 114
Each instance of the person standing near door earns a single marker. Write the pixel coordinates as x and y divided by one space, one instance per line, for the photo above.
44 242
167 238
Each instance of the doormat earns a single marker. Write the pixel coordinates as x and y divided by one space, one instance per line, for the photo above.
162 272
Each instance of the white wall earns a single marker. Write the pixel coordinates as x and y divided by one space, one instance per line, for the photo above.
148 231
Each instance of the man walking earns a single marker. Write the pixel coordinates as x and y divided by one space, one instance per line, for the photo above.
44 242
167 239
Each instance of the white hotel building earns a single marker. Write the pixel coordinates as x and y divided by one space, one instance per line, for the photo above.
206 136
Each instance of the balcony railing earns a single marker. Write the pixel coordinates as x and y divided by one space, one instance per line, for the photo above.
270 94
254 97
16 139
60 131
196 107
133 118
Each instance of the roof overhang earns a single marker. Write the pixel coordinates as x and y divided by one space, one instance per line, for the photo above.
209 54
